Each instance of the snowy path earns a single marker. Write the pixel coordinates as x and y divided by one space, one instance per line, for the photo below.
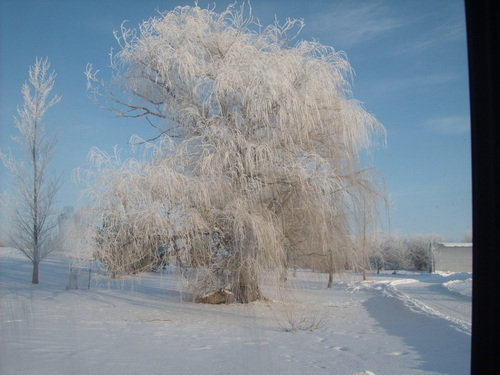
441 301
432 294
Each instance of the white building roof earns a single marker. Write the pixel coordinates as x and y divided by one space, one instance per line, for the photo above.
455 244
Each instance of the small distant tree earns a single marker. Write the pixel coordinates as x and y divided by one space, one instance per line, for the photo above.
30 206
388 252
418 247
257 159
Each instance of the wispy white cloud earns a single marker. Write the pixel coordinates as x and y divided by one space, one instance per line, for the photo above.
455 124
352 23
409 27
417 82
448 31
453 30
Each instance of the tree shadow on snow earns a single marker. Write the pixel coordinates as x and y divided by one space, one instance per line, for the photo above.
17 270
442 348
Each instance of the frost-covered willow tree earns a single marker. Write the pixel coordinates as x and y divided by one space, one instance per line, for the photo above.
30 206
256 163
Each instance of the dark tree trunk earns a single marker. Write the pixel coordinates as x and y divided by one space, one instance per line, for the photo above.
245 286
34 278
330 280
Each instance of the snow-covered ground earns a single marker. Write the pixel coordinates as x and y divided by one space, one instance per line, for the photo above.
404 323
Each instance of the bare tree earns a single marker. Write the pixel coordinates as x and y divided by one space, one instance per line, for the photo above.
257 156
31 205
389 251
418 247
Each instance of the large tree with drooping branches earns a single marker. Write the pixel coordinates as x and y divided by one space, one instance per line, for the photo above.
256 164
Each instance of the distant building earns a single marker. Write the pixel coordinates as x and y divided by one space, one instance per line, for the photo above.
451 257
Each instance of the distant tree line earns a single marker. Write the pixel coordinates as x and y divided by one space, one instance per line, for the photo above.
393 252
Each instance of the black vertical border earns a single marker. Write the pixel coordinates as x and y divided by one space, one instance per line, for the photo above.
483 43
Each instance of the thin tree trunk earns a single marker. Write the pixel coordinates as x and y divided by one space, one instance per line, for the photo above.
36 261
330 280
34 279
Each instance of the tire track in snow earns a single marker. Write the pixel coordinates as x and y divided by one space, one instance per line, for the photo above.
421 298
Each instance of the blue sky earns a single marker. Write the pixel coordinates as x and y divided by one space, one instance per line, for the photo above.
410 63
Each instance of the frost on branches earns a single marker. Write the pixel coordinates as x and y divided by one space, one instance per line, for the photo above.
255 168
30 207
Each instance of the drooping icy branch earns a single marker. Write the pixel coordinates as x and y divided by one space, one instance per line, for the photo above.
266 160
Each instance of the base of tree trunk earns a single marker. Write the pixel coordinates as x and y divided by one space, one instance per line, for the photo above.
73 279
245 286
218 297
330 280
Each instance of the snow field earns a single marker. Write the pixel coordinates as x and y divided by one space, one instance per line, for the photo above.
140 325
